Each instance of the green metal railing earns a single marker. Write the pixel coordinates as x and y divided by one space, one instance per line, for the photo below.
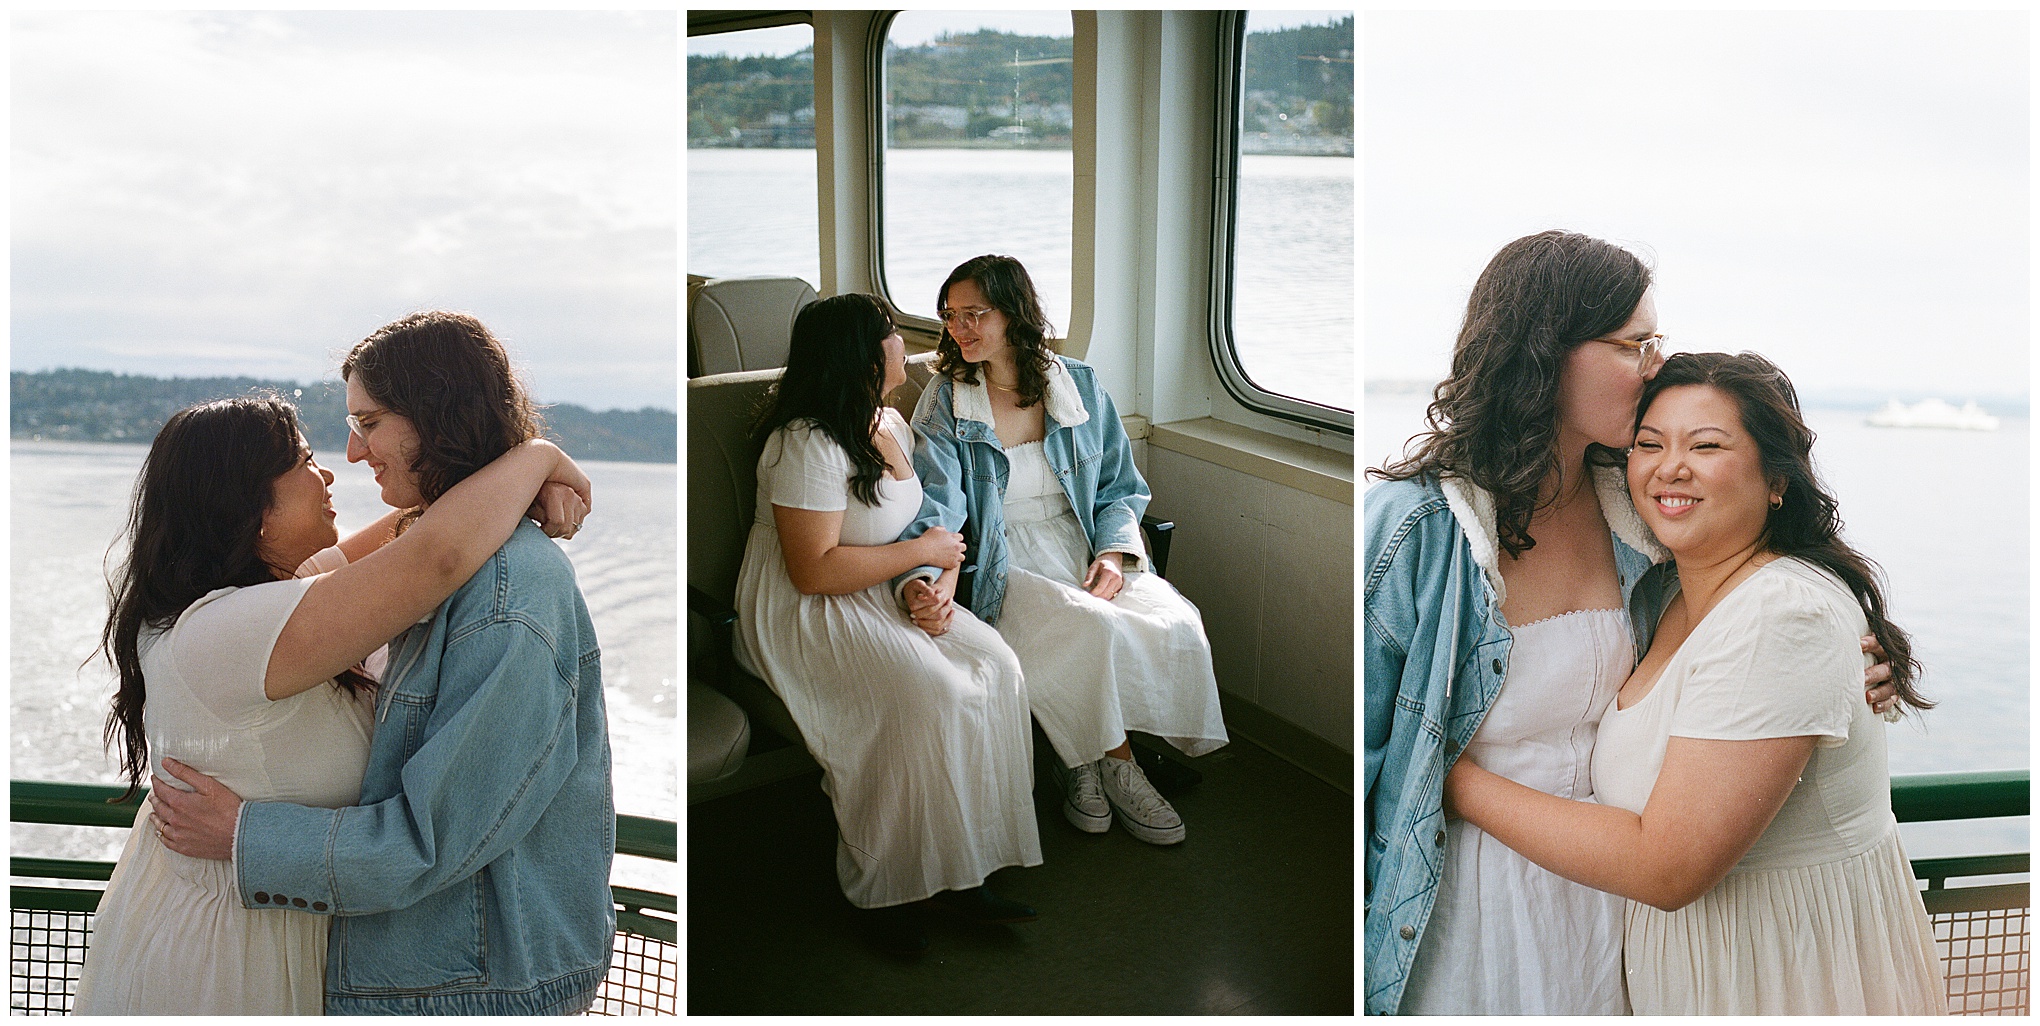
644 973
1981 929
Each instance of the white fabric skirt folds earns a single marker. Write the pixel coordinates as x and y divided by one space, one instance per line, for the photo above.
171 937
1096 669
1839 938
924 743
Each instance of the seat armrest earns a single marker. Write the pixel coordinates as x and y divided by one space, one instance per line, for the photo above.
722 626
1157 532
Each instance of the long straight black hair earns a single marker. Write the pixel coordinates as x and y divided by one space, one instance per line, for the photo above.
1494 421
194 524
1808 524
835 381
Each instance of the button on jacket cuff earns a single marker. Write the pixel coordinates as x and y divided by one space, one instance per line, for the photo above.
282 856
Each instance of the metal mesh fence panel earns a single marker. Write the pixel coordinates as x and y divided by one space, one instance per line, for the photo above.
1988 958
48 950
48 953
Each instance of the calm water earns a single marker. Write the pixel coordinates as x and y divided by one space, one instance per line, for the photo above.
1944 512
752 212
68 503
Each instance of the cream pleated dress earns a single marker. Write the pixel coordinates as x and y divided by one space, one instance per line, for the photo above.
1095 668
923 741
171 935
1820 917
1506 936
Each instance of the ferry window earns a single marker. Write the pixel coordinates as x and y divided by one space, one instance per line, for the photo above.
1291 324
977 151
751 154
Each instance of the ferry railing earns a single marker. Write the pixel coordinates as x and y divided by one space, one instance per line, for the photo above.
52 924
1980 929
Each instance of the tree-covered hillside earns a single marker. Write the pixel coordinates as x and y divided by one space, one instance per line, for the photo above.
99 406
997 89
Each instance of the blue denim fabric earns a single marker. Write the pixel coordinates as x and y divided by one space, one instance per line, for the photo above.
1436 651
473 878
963 472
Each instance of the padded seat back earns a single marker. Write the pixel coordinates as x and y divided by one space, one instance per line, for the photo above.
722 468
740 324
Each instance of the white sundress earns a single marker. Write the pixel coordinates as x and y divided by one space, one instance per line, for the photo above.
923 741
171 935
1096 669
1506 936
1821 916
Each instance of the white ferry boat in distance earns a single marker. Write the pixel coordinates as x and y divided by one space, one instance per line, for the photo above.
1933 413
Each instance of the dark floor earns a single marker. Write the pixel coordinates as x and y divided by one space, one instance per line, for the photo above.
1252 914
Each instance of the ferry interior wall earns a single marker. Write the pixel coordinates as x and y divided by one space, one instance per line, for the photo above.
1253 912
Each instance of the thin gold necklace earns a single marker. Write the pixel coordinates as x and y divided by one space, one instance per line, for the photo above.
994 384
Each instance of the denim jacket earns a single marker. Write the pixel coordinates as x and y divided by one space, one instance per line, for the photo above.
963 472
1437 650
473 878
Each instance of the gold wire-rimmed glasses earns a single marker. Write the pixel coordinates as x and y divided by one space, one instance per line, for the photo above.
1649 349
966 319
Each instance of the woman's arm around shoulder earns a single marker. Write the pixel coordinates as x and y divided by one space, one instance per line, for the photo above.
348 613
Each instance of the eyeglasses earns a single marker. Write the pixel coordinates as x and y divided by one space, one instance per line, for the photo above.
966 319
354 425
1649 349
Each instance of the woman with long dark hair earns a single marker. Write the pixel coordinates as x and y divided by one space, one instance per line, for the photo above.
1505 603
1023 445
238 626
922 737
1743 803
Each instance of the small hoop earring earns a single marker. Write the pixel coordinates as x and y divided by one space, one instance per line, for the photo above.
1777 501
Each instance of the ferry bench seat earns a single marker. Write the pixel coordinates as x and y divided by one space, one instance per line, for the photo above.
722 488
740 324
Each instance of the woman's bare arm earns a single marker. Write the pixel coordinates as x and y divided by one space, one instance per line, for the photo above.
348 613
820 564
1713 799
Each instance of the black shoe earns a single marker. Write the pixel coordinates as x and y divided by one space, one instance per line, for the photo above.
980 905
895 929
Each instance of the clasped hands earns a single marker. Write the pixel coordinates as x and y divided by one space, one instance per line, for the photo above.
931 605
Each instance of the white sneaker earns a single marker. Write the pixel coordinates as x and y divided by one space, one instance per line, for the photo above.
1141 811
1084 802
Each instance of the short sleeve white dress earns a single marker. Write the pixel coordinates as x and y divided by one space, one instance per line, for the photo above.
1097 668
923 741
171 935
1820 917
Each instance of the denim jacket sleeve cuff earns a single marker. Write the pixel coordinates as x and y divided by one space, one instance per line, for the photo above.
281 857
920 573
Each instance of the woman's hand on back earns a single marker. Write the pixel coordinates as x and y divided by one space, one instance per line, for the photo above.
1877 687
941 547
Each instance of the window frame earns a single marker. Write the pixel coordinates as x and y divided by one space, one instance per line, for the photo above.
1231 82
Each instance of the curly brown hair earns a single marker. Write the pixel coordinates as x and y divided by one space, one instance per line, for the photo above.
453 380
1494 421
1008 288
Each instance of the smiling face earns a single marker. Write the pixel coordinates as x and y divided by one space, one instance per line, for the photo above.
299 520
388 443
1599 387
985 339
1696 475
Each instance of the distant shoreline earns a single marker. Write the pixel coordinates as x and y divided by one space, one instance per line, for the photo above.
76 405
2013 404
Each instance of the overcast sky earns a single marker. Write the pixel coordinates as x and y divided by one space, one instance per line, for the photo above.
1845 192
201 194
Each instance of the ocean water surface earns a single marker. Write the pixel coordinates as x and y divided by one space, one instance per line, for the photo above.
69 500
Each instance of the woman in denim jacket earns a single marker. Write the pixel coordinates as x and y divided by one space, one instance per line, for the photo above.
473 877
1021 450
1560 336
